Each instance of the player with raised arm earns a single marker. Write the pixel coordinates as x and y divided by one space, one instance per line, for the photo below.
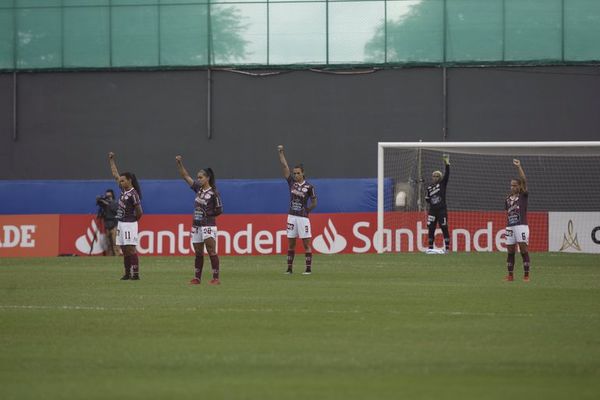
437 210
207 206
517 230
298 224
128 215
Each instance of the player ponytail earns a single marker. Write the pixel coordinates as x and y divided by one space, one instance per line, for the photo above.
211 178
134 182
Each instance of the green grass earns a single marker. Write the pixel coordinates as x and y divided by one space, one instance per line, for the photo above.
361 327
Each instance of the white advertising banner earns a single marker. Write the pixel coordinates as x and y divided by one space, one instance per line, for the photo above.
574 232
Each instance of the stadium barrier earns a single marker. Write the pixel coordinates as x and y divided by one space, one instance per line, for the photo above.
264 234
240 196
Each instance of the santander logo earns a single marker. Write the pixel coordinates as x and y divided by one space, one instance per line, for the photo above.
330 242
84 242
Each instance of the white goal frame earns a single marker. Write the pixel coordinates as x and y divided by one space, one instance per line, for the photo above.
381 146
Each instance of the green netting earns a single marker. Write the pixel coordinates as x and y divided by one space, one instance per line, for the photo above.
38 34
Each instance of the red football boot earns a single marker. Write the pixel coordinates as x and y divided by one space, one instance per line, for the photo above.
509 278
214 282
195 281
526 278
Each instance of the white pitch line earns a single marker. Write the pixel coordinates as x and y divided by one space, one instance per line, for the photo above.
479 314
268 310
100 308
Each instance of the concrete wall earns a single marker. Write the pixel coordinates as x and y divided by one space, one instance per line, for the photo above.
331 123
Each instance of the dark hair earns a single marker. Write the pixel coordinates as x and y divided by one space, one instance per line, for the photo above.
134 182
520 182
211 177
111 192
301 168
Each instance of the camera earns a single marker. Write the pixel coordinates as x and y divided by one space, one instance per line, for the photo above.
102 201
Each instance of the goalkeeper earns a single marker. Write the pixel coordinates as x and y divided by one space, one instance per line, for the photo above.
436 200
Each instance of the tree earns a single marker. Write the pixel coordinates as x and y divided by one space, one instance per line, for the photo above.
417 35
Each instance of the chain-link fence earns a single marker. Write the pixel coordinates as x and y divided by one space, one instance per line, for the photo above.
56 34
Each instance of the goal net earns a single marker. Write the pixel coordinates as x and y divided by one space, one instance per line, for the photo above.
562 181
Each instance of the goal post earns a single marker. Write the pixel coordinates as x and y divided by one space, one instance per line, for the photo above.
562 179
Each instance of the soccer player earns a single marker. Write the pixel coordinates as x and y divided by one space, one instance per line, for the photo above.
298 224
128 215
207 206
438 212
517 230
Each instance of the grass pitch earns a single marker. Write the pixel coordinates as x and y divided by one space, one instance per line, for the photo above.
361 327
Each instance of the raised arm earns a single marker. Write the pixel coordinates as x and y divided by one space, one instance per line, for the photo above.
517 164
113 166
283 162
182 171
446 158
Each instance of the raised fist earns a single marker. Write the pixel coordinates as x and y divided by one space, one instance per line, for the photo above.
446 158
280 148
517 162
111 155
178 158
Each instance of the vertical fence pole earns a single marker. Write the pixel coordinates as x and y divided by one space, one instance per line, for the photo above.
209 73
158 31
15 30
268 32
503 30
327 32
385 32
110 35
62 33
562 31
445 32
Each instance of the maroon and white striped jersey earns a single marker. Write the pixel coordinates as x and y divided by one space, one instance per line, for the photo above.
516 209
127 202
299 195
207 205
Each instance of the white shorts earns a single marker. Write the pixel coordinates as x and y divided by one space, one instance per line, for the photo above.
298 227
517 234
127 234
201 233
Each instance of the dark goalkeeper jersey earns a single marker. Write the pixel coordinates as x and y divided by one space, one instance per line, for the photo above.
436 193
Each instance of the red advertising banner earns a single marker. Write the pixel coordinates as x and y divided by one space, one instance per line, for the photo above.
28 235
257 234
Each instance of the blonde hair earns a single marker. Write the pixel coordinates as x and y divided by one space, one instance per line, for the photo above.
438 173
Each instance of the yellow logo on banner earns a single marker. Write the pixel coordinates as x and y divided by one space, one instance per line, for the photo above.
570 240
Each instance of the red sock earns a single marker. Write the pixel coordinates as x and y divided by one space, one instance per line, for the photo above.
214 262
135 264
308 261
198 264
290 259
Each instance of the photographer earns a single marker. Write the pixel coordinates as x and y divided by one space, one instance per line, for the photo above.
107 210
